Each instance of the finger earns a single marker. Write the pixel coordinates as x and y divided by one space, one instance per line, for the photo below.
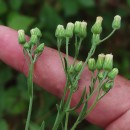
50 75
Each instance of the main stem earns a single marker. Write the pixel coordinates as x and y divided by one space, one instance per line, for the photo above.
30 88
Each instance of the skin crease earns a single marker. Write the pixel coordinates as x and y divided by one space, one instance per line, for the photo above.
111 113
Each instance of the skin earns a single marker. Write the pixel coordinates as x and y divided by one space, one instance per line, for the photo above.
111 113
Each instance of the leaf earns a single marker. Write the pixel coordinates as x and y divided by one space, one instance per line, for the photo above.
5 72
3 125
3 7
65 61
80 101
49 17
43 126
87 3
128 2
34 126
70 7
18 21
17 5
90 90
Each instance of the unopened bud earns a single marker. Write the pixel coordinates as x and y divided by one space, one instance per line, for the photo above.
108 62
69 30
113 73
116 22
91 64
97 27
77 27
83 30
100 75
21 36
79 66
71 69
39 49
96 39
36 31
33 39
26 45
107 86
60 31
100 61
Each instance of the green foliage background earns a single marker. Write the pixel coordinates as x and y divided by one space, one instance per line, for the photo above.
47 14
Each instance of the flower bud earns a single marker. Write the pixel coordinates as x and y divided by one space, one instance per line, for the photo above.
21 36
26 45
107 86
108 62
33 39
91 64
113 73
39 49
83 31
69 30
60 31
71 69
36 31
100 75
116 22
77 27
97 27
96 39
79 66
100 61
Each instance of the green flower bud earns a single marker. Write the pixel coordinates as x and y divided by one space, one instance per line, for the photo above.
96 39
36 31
77 27
107 86
79 66
116 24
100 61
71 69
60 31
108 62
21 36
83 29
39 49
33 39
97 27
91 64
113 73
69 30
26 45
100 75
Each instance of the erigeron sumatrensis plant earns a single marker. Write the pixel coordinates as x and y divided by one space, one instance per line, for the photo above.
102 71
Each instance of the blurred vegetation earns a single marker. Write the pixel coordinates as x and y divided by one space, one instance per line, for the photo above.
46 14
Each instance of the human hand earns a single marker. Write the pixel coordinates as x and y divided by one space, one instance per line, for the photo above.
112 112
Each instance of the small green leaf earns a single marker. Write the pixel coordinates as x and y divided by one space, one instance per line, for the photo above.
80 101
18 21
65 61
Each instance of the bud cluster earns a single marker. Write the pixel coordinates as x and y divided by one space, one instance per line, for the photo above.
32 46
97 28
104 64
78 28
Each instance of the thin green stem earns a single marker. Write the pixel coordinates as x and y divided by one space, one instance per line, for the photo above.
66 120
67 44
30 89
107 36
77 48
